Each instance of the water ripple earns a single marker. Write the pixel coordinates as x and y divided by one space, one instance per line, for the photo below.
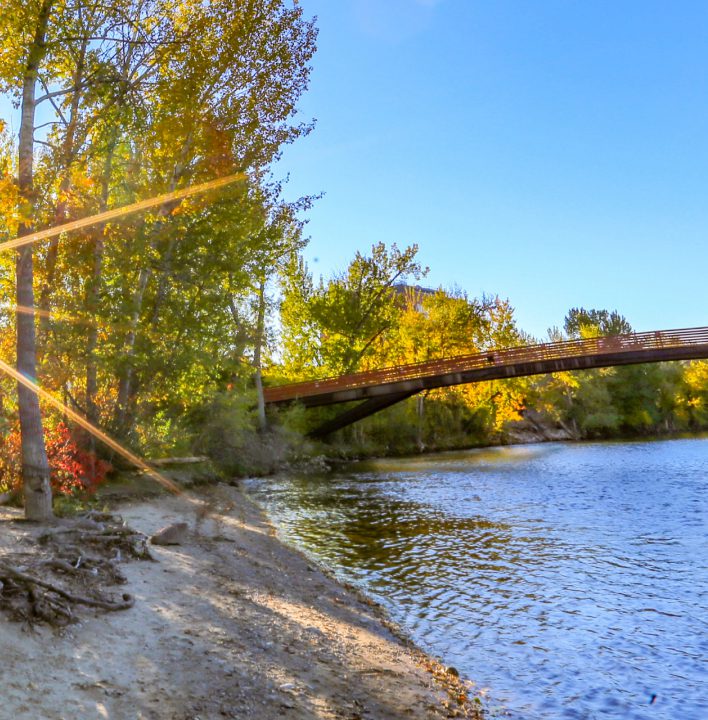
571 579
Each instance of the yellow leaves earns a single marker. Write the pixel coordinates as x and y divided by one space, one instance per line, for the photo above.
15 22
81 181
12 211
434 325
567 379
696 375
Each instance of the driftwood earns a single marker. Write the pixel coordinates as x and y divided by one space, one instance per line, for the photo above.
179 461
8 572
70 568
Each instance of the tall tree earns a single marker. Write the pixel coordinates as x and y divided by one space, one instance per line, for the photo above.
345 320
35 467
580 322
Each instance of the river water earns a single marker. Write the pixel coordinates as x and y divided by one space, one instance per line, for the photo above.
569 580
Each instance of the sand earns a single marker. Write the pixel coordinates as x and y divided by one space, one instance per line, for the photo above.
230 624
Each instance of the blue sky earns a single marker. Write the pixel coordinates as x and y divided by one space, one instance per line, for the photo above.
551 152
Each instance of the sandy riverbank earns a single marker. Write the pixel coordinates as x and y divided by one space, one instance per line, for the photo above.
231 624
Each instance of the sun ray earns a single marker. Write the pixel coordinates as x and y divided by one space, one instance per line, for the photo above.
95 431
120 211
62 317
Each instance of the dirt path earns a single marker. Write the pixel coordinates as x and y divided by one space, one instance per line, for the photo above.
231 624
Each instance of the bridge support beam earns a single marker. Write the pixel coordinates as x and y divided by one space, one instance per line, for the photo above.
368 407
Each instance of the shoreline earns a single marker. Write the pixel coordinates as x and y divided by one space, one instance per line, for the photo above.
334 463
234 623
446 678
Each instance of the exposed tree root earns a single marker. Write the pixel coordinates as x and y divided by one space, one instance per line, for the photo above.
85 554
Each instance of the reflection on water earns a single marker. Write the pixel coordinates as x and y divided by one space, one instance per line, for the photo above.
570 579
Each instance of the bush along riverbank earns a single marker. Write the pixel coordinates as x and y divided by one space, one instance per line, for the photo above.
237 448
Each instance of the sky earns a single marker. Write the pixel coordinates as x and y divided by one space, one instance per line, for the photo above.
554 153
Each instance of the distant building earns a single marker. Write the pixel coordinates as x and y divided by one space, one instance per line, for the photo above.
415 294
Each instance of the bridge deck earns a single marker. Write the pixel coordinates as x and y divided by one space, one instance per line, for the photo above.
405 380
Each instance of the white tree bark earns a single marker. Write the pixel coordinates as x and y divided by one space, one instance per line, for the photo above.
35 467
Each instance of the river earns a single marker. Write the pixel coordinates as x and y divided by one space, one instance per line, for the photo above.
568 580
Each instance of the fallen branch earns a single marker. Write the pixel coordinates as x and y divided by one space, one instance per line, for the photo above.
71 567
7 571
102 531
179 461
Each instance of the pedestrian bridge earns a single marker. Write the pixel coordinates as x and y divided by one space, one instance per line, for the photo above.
378 389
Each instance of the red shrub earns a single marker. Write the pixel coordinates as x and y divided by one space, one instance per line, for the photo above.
74 471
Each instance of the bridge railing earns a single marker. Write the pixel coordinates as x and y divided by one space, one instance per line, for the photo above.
606 345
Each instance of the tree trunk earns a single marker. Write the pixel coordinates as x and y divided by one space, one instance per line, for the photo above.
163 280
92 339
68 153
93 295
126 374
260 331
35 467
125 378
420 412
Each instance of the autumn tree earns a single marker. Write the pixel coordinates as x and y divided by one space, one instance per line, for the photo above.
625 400
435 324
344 321
138 97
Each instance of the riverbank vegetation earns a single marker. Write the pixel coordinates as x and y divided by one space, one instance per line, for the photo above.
413 324
161 327
137 322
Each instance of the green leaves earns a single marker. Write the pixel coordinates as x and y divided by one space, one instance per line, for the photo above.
580 322
344 323
149 314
